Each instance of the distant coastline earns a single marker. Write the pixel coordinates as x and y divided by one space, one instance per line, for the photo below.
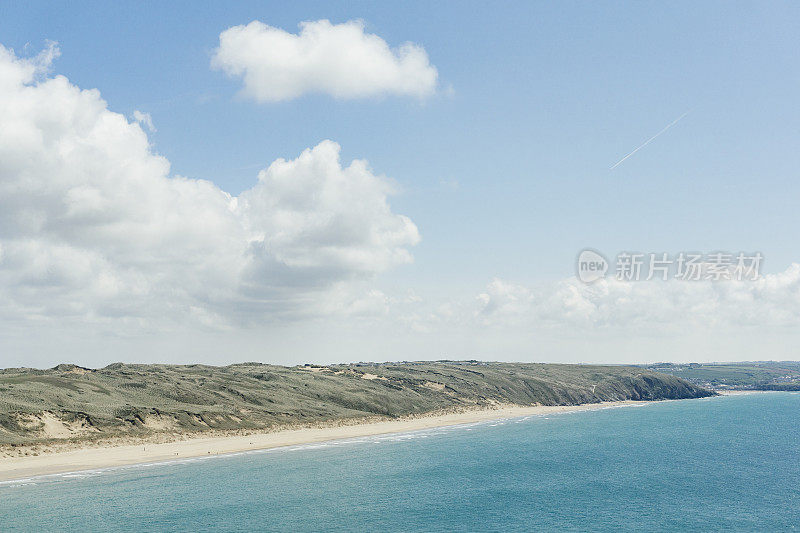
745 375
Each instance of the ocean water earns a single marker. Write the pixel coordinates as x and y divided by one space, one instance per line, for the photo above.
727 463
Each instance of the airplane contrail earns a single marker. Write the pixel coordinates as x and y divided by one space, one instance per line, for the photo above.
648 141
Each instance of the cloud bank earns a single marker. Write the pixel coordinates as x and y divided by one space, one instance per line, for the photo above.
341 60
93 226
772 300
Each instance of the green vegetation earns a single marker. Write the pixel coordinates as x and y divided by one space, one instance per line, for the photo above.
70 402
763 375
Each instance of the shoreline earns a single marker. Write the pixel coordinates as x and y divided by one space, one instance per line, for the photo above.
93 458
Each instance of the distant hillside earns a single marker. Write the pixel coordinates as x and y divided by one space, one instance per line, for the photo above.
758 375
70 402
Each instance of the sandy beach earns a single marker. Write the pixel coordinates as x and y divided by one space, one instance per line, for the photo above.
89 458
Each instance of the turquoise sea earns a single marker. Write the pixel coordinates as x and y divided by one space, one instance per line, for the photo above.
725 463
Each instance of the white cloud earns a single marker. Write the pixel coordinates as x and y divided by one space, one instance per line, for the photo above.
337 59
145 119
94 228
27 67
314 215
95 231
772 300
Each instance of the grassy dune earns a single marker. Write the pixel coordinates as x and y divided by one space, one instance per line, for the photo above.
70 403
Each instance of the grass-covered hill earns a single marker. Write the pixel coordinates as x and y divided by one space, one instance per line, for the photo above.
70 402
756 375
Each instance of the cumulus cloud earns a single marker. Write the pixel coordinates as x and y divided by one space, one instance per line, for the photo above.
93 226
772 300
314 215
341 60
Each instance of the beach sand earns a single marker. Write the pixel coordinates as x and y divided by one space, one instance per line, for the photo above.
90 458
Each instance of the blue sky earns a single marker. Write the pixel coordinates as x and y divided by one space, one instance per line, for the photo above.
505 171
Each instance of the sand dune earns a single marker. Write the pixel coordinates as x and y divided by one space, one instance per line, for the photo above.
88 458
